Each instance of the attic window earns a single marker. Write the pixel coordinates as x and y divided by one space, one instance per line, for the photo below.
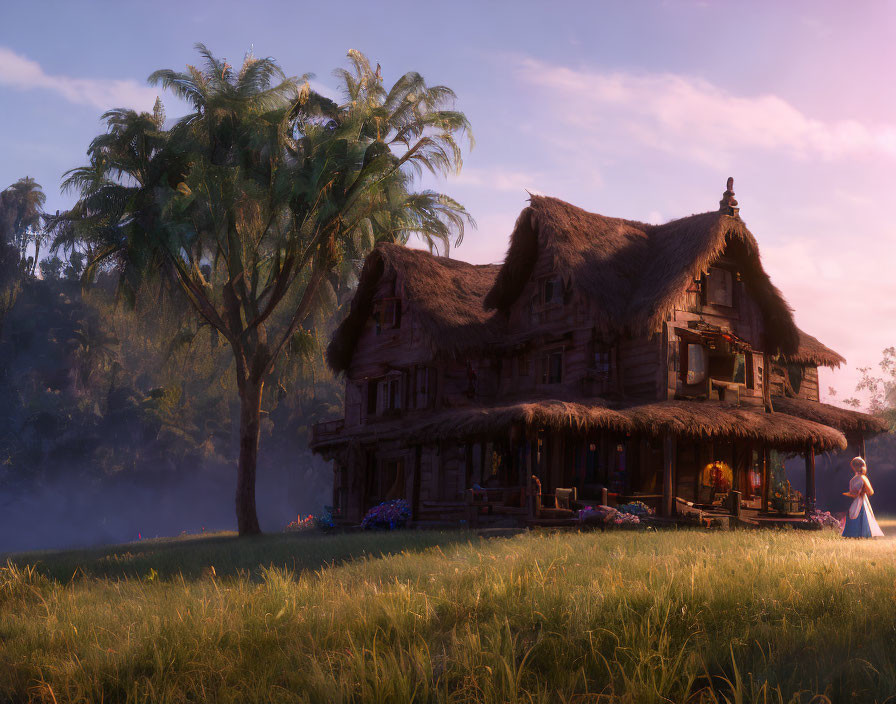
552 291
387 314
720 287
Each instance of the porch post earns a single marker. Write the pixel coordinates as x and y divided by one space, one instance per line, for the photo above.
810 480
862 445
765 482
668 473
468 465
415 487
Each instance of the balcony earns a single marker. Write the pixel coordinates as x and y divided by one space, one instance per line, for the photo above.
326 431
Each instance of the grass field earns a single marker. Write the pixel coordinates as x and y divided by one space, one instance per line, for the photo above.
543 617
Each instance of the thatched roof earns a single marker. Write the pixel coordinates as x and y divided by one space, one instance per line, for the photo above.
840 418
707 419
813 352
688 419
636 272
445 294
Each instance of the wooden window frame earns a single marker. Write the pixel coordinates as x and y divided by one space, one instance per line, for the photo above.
387 314
704 287
546 370
424 387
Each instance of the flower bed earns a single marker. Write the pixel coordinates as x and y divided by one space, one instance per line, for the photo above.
300 524
388 515
607 516
823 519
636 508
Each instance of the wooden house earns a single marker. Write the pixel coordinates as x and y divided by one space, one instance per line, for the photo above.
620 359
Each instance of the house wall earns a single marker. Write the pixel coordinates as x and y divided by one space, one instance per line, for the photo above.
645 367
808 388
537 329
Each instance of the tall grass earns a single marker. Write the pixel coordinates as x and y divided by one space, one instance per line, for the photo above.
615 617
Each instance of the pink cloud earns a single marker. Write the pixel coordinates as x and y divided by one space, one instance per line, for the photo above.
19 72
692 118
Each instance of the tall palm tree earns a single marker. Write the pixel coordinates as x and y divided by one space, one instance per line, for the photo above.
21 213
253 202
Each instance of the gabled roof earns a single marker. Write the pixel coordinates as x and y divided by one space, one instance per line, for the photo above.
811 351
445 294
636 272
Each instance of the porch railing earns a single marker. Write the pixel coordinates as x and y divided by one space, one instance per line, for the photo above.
326 430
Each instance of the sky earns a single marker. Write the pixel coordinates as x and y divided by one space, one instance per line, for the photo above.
631 109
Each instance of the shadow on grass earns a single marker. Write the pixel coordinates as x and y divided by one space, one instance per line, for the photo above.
229 555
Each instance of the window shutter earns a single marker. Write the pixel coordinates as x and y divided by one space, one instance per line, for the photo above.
683 360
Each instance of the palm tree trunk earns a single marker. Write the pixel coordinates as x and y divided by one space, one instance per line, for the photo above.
250 420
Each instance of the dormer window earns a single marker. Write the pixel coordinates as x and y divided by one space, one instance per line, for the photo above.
719 287
387 314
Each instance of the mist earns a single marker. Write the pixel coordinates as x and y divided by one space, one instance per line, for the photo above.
69 512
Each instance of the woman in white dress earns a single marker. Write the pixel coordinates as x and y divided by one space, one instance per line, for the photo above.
860 521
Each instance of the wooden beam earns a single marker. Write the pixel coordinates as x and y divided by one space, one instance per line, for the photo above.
668 474
698 470
810 479
765 481
862 445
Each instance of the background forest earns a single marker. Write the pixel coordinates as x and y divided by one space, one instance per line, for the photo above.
121 420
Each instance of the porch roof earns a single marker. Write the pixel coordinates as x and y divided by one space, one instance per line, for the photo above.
687 419
843 419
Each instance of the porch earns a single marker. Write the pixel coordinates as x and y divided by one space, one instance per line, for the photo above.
520 462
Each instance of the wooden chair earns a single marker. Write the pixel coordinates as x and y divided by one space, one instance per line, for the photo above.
565 498
548 506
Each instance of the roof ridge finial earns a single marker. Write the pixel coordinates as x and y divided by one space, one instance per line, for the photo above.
728 204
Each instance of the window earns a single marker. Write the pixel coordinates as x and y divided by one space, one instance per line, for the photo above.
534 305
743 369
372 406
719 287
390 394
387 314
471 380
599 359
552 290
552 368
384 395
795 377
425 387
692 360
